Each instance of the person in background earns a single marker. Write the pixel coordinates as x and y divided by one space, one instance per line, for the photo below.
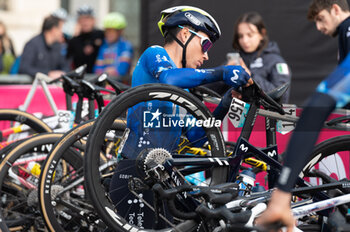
116 53
7 52
332 18
43 53
259 55
83 48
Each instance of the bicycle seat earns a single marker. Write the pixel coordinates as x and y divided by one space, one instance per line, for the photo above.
277 93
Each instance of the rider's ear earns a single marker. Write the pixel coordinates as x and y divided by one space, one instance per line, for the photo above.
184 34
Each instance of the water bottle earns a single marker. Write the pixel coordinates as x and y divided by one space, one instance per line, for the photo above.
246 181
34 168
258 188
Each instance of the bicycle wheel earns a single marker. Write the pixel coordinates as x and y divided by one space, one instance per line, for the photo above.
159 94
331 158
19 172
328 162
63 203
9 116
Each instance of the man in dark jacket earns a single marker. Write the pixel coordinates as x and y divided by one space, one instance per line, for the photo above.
83 49
43 52
332 18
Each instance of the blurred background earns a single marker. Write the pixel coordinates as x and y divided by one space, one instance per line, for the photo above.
311 55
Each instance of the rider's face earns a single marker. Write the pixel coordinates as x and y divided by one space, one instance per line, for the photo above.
194 53
327 22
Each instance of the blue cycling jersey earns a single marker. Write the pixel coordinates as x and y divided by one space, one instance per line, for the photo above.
117 55
159 124
144 119
337 85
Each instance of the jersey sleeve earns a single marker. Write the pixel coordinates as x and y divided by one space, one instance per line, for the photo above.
162 68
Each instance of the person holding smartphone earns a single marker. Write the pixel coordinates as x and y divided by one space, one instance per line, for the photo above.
259 56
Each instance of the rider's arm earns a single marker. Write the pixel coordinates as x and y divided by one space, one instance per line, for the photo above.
160 66
304 137
189 77
333 91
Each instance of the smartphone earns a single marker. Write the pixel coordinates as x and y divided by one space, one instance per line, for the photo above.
233 56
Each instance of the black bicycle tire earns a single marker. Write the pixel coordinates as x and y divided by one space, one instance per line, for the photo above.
25 146
25 118
66 141
327 148
114 109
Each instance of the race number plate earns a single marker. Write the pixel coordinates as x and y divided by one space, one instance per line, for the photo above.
65 119
284 127
237 112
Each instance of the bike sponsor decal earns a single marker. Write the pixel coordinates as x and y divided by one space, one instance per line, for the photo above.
237 112
243 148
180 100
49 177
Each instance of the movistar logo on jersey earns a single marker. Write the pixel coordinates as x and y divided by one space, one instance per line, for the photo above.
157 119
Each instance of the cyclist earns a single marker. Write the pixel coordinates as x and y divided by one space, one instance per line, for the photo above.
333 92
189 33
116 52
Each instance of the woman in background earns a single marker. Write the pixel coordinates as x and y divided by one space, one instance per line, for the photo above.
261 57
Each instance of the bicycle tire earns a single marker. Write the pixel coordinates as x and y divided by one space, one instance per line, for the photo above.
25 118
70 140
115 109
40 143
328 150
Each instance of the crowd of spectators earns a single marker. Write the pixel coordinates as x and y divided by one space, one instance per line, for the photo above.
53 53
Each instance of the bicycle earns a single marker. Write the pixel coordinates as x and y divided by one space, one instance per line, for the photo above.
12 157
217 165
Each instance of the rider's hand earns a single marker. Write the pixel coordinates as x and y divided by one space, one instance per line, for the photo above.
55 74
278 210
236 76
241 63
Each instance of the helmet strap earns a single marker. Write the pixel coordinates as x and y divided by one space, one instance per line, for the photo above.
184 46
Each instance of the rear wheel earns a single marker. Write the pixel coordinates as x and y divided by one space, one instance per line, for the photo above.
130 210
62 196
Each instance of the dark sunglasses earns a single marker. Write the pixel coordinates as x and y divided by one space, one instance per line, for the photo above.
205 41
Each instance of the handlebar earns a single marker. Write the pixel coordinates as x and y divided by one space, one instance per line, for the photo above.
255 93
76 74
